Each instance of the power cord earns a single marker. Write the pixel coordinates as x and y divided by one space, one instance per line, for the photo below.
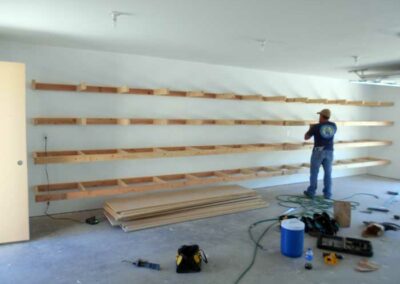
308 206
46 212
256 244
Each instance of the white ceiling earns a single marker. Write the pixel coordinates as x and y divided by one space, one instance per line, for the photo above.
303 36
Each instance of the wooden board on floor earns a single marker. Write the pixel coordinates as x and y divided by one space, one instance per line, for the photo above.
111 219
172 210
179 205
146 200
195 214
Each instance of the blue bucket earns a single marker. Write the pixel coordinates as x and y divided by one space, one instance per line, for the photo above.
292 237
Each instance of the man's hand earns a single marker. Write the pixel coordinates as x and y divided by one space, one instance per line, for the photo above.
308 134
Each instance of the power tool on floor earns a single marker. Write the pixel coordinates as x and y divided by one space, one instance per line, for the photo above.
331 258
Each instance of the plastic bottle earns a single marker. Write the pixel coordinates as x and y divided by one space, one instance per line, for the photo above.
309 258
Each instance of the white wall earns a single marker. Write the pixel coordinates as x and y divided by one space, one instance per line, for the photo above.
54 64
391 133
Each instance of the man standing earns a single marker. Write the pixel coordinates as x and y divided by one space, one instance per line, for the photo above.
322 153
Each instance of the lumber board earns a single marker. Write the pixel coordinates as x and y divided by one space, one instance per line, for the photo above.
252 98
174 121
69 191
83 87
296 100
111 219
130 216
194 215
146 200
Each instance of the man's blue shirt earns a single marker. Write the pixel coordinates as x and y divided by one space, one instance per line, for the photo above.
323 134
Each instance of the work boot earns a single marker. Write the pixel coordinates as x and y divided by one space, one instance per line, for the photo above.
308 194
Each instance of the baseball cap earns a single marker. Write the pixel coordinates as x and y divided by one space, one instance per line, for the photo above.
325 112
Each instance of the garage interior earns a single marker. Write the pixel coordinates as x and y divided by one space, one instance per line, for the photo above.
133 128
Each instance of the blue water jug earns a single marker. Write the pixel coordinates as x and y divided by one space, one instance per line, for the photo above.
292 237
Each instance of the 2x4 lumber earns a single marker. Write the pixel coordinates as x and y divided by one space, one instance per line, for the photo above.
317 101
296 100
82 87
226 96
161 92
123 90
82 156
194 94
274 99
252 98
111 187
150 121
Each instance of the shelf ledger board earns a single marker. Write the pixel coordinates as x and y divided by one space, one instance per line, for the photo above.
83 87
169 121
84 156
73 190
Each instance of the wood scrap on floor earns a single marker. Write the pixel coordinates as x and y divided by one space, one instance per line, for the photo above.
147 210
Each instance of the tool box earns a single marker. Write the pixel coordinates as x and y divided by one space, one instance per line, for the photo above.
345 245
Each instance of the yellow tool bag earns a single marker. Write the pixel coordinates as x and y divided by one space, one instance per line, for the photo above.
189 259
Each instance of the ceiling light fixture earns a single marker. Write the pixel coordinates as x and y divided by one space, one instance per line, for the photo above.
116 14
262 43
378 79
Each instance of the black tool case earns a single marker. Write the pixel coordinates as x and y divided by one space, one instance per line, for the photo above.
345 245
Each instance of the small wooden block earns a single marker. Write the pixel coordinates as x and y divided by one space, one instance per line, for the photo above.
81 87
124 121
122 90
296 100
194 94
252 98
354 103
225 96
158 180
274 99
371 104
33 84
225 122
386 103
160 121
161 92
81 121
342 213
317 101
195 121
252 122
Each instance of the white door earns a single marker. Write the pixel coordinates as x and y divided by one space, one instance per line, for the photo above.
14 213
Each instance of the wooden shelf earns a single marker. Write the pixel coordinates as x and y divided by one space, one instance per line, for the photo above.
84 156
152 121
84 88
87 189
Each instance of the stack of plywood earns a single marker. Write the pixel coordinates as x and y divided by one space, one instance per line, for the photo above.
146 210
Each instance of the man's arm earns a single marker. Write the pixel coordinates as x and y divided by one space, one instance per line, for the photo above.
309 133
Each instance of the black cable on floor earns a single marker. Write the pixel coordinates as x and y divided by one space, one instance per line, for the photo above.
256 246
46 212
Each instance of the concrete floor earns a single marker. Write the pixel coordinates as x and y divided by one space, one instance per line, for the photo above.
66 252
